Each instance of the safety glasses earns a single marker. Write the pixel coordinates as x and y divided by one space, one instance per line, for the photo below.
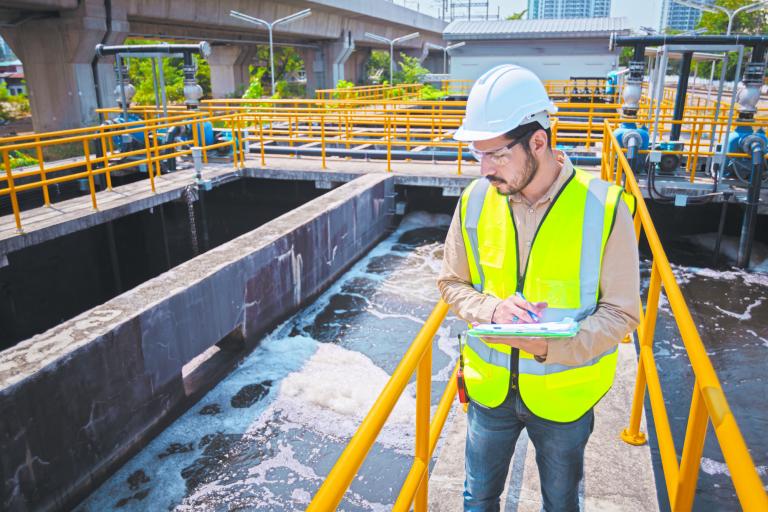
500 156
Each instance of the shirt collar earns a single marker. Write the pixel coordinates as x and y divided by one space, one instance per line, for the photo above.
566 169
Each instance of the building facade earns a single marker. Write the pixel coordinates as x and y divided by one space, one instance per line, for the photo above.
554 49
680 17
558 9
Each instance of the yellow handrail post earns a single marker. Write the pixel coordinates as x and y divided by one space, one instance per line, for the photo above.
695 434
41 162
322 140
105 157
423 398
149 160
388 131
340 477
261 143
89 169
458 162
11 186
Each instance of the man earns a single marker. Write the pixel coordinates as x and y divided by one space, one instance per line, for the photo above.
534 240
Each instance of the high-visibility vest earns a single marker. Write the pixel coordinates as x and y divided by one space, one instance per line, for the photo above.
563 270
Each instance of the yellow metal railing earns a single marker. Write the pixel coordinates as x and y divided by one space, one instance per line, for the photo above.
370 92
708 402
95 154
398 129
418 359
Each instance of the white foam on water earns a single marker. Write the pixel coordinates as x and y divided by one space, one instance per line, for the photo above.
344 382
416 220
714 467
746 315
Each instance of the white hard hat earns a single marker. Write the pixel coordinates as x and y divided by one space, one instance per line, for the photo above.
504 98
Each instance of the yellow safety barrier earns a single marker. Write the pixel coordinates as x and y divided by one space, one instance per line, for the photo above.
418 358
370 92
708 401
95 154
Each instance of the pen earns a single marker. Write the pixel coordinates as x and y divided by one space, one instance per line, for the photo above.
533 315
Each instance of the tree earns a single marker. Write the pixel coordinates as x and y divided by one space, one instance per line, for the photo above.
378 64
755 22
744 23
517 15
140 74
411 71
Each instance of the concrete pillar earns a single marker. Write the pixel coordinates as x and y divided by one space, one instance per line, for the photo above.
354 68
229 70
313 68
59 63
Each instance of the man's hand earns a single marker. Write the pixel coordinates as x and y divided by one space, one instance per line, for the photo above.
516 309
535 346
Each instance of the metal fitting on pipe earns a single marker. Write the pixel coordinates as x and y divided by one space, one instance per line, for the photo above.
748 96
633 89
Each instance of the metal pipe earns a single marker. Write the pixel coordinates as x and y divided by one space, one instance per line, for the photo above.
753 199
202 48
121 85
724 145
660 88
659 40
682 87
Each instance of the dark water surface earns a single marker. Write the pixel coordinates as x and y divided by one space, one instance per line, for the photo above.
730 309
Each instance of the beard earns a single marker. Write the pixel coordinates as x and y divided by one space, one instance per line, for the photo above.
519 181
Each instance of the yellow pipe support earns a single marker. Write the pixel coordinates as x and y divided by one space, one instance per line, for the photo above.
338 480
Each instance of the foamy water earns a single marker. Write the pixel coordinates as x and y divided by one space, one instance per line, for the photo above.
265 437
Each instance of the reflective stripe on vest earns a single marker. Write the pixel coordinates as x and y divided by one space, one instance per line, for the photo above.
563 269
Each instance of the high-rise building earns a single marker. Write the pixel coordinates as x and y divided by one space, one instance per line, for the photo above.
680 17
553 9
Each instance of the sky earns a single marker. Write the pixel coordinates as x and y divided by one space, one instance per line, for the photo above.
644 13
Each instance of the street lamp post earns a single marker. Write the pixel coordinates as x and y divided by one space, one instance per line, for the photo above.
445 50
270 26
391 43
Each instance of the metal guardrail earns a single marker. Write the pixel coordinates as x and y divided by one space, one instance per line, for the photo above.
708 401
390 129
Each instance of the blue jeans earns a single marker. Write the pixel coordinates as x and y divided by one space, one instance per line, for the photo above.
491 438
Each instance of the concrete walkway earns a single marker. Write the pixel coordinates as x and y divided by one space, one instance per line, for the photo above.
617 477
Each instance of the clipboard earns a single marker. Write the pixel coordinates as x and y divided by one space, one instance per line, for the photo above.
566 328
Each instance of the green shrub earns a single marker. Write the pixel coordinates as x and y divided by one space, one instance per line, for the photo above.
430 93
19 159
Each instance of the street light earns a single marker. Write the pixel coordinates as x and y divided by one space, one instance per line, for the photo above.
250 19
445 50
391 43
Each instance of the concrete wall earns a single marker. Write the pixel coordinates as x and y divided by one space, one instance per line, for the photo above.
551 59
76 401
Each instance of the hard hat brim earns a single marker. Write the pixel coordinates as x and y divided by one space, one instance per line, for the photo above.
475 135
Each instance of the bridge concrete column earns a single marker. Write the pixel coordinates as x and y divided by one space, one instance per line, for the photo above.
313 68
229 70
58 55
355 66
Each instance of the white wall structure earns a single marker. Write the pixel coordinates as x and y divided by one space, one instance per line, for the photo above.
553 49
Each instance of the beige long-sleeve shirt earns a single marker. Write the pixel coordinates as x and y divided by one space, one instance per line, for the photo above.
618 307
